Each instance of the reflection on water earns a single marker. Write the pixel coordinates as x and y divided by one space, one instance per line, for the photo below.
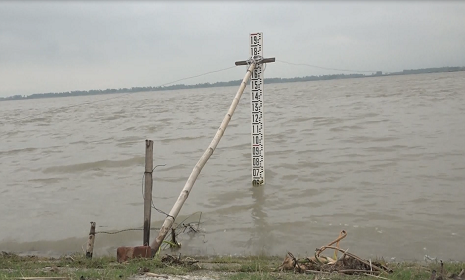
382 158
261 236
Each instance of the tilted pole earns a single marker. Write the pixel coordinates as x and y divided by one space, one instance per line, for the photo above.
200 164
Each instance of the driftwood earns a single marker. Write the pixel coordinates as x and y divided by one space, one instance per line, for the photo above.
348 263
342 235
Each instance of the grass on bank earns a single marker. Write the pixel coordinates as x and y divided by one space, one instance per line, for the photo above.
237 268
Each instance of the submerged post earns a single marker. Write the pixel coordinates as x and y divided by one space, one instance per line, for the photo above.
258 117
148 190
200 164
90 241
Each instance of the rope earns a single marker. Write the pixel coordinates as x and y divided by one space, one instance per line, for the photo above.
186 226
215 71
153 206
182 224
325 68
254 59
119 231
124 94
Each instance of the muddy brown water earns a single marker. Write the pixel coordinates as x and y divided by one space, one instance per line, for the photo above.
382 158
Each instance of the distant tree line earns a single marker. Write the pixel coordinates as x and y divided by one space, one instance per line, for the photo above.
225 84
433 70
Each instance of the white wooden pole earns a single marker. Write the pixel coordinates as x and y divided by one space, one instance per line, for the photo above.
258 116
200 164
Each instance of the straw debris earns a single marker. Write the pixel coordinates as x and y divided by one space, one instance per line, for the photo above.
348 263
173 260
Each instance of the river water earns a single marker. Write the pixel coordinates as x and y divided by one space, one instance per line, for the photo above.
382 158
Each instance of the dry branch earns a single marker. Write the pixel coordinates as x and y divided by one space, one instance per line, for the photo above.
348 264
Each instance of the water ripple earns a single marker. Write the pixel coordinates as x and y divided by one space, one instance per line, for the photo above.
379 157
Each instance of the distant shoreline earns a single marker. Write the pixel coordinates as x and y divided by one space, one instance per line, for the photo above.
230 83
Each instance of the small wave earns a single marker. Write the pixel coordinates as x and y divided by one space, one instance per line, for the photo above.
129 139
327 121
40 119
47 180
17 151
384 164
368 139
365 122
96 165
131 128
171 140
299 120
277 153
79 142
345 128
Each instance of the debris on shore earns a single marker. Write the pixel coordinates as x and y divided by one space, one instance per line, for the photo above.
348 263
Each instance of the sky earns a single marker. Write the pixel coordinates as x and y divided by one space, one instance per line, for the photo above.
56 46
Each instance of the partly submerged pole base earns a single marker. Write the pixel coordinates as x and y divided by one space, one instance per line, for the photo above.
257 182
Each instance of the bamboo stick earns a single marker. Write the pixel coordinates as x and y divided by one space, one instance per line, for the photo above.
356 257
200 164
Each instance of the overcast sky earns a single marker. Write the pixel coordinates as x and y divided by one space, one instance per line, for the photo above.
48 46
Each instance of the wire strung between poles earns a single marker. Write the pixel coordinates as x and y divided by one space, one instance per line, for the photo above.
124 94
325 68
